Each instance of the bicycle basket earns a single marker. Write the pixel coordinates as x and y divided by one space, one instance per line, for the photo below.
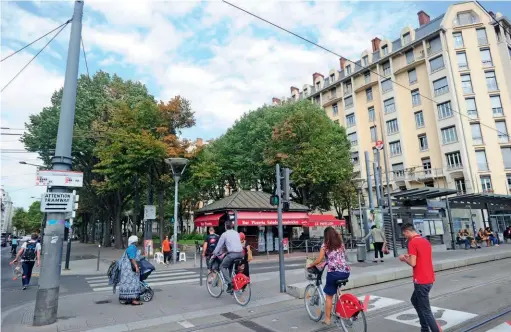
239 281
312 273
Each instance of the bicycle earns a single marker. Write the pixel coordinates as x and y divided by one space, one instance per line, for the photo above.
240 283
346 312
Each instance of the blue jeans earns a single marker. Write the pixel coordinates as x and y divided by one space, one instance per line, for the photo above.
27 272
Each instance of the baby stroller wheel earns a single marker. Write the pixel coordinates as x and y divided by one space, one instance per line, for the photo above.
148 295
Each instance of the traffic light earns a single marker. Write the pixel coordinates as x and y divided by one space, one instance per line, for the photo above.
274 200
171 220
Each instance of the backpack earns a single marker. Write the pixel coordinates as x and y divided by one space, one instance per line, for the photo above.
29 252
212 241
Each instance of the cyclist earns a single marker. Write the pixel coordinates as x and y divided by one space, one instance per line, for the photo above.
338 268
208 247
14 245
230 243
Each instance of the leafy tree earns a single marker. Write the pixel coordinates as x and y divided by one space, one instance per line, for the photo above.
29 221
20 219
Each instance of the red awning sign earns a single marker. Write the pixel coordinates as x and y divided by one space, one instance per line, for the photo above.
324 220
208 220
270 218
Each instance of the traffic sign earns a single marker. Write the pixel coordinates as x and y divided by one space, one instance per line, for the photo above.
57 202
149 212
379 145
59 178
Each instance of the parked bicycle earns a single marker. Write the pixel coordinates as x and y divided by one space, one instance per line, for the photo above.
347 309
241 290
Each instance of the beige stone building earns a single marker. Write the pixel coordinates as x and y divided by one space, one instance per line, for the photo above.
441 100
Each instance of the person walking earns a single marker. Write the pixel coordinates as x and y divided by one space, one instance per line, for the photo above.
30 252
247 254
165 248
14 245
420 258
379 242
210 242
129 280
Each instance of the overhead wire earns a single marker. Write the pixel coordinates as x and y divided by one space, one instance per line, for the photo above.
493 18
85 58
353 62
35 56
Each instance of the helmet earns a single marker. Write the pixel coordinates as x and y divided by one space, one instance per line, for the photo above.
242 236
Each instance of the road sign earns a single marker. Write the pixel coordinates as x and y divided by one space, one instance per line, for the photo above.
379 145
149 212
57 202
59 178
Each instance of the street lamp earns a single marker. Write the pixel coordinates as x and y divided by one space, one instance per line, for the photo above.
38 166
178 166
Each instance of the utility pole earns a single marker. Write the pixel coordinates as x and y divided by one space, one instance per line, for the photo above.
148 231
47 298
281 230
369 194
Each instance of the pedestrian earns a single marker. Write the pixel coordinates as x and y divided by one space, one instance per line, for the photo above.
129 280
420 258
165 248
30 252
14 245
247 254
379 242
210 242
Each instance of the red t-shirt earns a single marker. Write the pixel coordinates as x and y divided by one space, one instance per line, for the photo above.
423 272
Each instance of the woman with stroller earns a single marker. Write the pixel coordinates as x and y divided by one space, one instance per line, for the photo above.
129 283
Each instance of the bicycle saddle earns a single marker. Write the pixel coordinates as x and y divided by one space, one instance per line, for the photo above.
238 261
342 282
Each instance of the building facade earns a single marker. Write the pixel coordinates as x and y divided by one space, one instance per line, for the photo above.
439 97
6 212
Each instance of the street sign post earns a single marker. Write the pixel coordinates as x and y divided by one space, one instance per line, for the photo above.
57 202
379 145
149 212
59 178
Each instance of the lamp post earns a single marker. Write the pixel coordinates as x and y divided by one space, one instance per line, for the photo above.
178 166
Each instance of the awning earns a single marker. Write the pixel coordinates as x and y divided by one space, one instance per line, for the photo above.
324 220
208 220
270 218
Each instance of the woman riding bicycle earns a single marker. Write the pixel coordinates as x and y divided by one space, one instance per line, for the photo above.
338 268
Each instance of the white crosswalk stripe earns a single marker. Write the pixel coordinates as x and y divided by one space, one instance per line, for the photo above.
157 278
504 327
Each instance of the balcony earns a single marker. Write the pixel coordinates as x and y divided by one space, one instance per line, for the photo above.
363 83
497 112
423 175
482 167
503 138
402 64
399 175
441 91
477 140
454 166
434 50
463 66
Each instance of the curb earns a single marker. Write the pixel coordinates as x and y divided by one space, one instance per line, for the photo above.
297 290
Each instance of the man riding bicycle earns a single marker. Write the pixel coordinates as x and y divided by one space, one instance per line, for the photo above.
230 243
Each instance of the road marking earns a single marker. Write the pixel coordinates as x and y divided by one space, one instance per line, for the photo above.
185 324
152 277
162 283
504 327
377 302
445 318
175 272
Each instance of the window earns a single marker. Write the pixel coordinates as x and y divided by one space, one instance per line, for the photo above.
458 39
348 69
398 170
353 139
373 133
465 18
318 86
462 60
419 119
436 64
389 106
355 160
369 94
435 45
385 50
395 148
335 110
449 135
423 142
482 162
506 156
426 165
502 131
348 102
370 112
486 58
482 39
496 106
392 127
350 120
347 88
333 93
486 184
409 57
466 84
386 68
477 136
416 97
306 92
367 77
441 86
491 81
470 103
444 110
406 38
460 186
386 85
412 76
365 60
454 160
332 78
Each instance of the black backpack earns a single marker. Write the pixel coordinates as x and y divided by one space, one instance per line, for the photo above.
30 252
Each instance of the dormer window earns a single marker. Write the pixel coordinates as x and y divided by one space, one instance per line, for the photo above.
465 18
365 60
348 69
385 49
407 38
332 78
318 85
305 91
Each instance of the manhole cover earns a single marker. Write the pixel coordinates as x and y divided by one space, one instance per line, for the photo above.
102 301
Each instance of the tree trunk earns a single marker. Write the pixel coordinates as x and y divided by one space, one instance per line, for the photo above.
117 221
161 212
107 238
93 230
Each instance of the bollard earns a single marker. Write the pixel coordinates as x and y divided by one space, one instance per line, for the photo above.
195 259
200 271
306 247
99 252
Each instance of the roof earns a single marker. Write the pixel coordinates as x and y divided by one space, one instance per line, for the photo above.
480 200
423 193
247 201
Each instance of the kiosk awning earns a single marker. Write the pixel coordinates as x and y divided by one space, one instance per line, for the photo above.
324 220
208 220
246 218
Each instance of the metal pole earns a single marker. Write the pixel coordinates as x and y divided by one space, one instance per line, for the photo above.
378 172
451 226
148 231
47 298
68 249
359 191
389 203
281 232
99 253
174 251
377 184
370 195
200 268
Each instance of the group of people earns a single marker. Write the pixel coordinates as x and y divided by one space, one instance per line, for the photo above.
483 235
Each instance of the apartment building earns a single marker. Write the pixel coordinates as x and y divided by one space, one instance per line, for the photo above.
439 96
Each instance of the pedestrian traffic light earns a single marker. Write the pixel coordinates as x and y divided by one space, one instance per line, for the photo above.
274 200
171 220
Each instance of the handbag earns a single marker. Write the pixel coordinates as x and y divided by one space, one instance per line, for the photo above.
385 249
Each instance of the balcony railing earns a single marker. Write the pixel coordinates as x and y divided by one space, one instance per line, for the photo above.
454 166
472 114
463 66
348 91
503 138
434 50
487 63
477 140
497 111
492 86
441 91
399 175
482 166
422 175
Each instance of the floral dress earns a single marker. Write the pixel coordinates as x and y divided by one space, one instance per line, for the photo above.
129 283
338 268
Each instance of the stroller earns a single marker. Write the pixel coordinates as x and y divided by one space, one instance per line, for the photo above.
146 268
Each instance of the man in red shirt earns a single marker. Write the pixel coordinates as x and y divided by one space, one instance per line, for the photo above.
420 258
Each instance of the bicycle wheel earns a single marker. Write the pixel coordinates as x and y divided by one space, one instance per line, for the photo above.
214 284
243 295
314 303
357 322
148 295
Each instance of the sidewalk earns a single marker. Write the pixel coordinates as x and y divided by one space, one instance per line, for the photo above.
368 273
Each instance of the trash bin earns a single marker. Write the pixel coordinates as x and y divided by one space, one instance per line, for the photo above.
361 251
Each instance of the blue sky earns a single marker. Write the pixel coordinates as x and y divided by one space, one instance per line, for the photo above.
224 61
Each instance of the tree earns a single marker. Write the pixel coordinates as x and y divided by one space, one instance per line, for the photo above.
20 219
29 221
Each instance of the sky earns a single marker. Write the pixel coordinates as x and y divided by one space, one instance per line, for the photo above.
221 59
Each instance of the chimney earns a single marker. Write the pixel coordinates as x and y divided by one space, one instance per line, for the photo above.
376 43
294 89
275 101
342 62
423 18
316 75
